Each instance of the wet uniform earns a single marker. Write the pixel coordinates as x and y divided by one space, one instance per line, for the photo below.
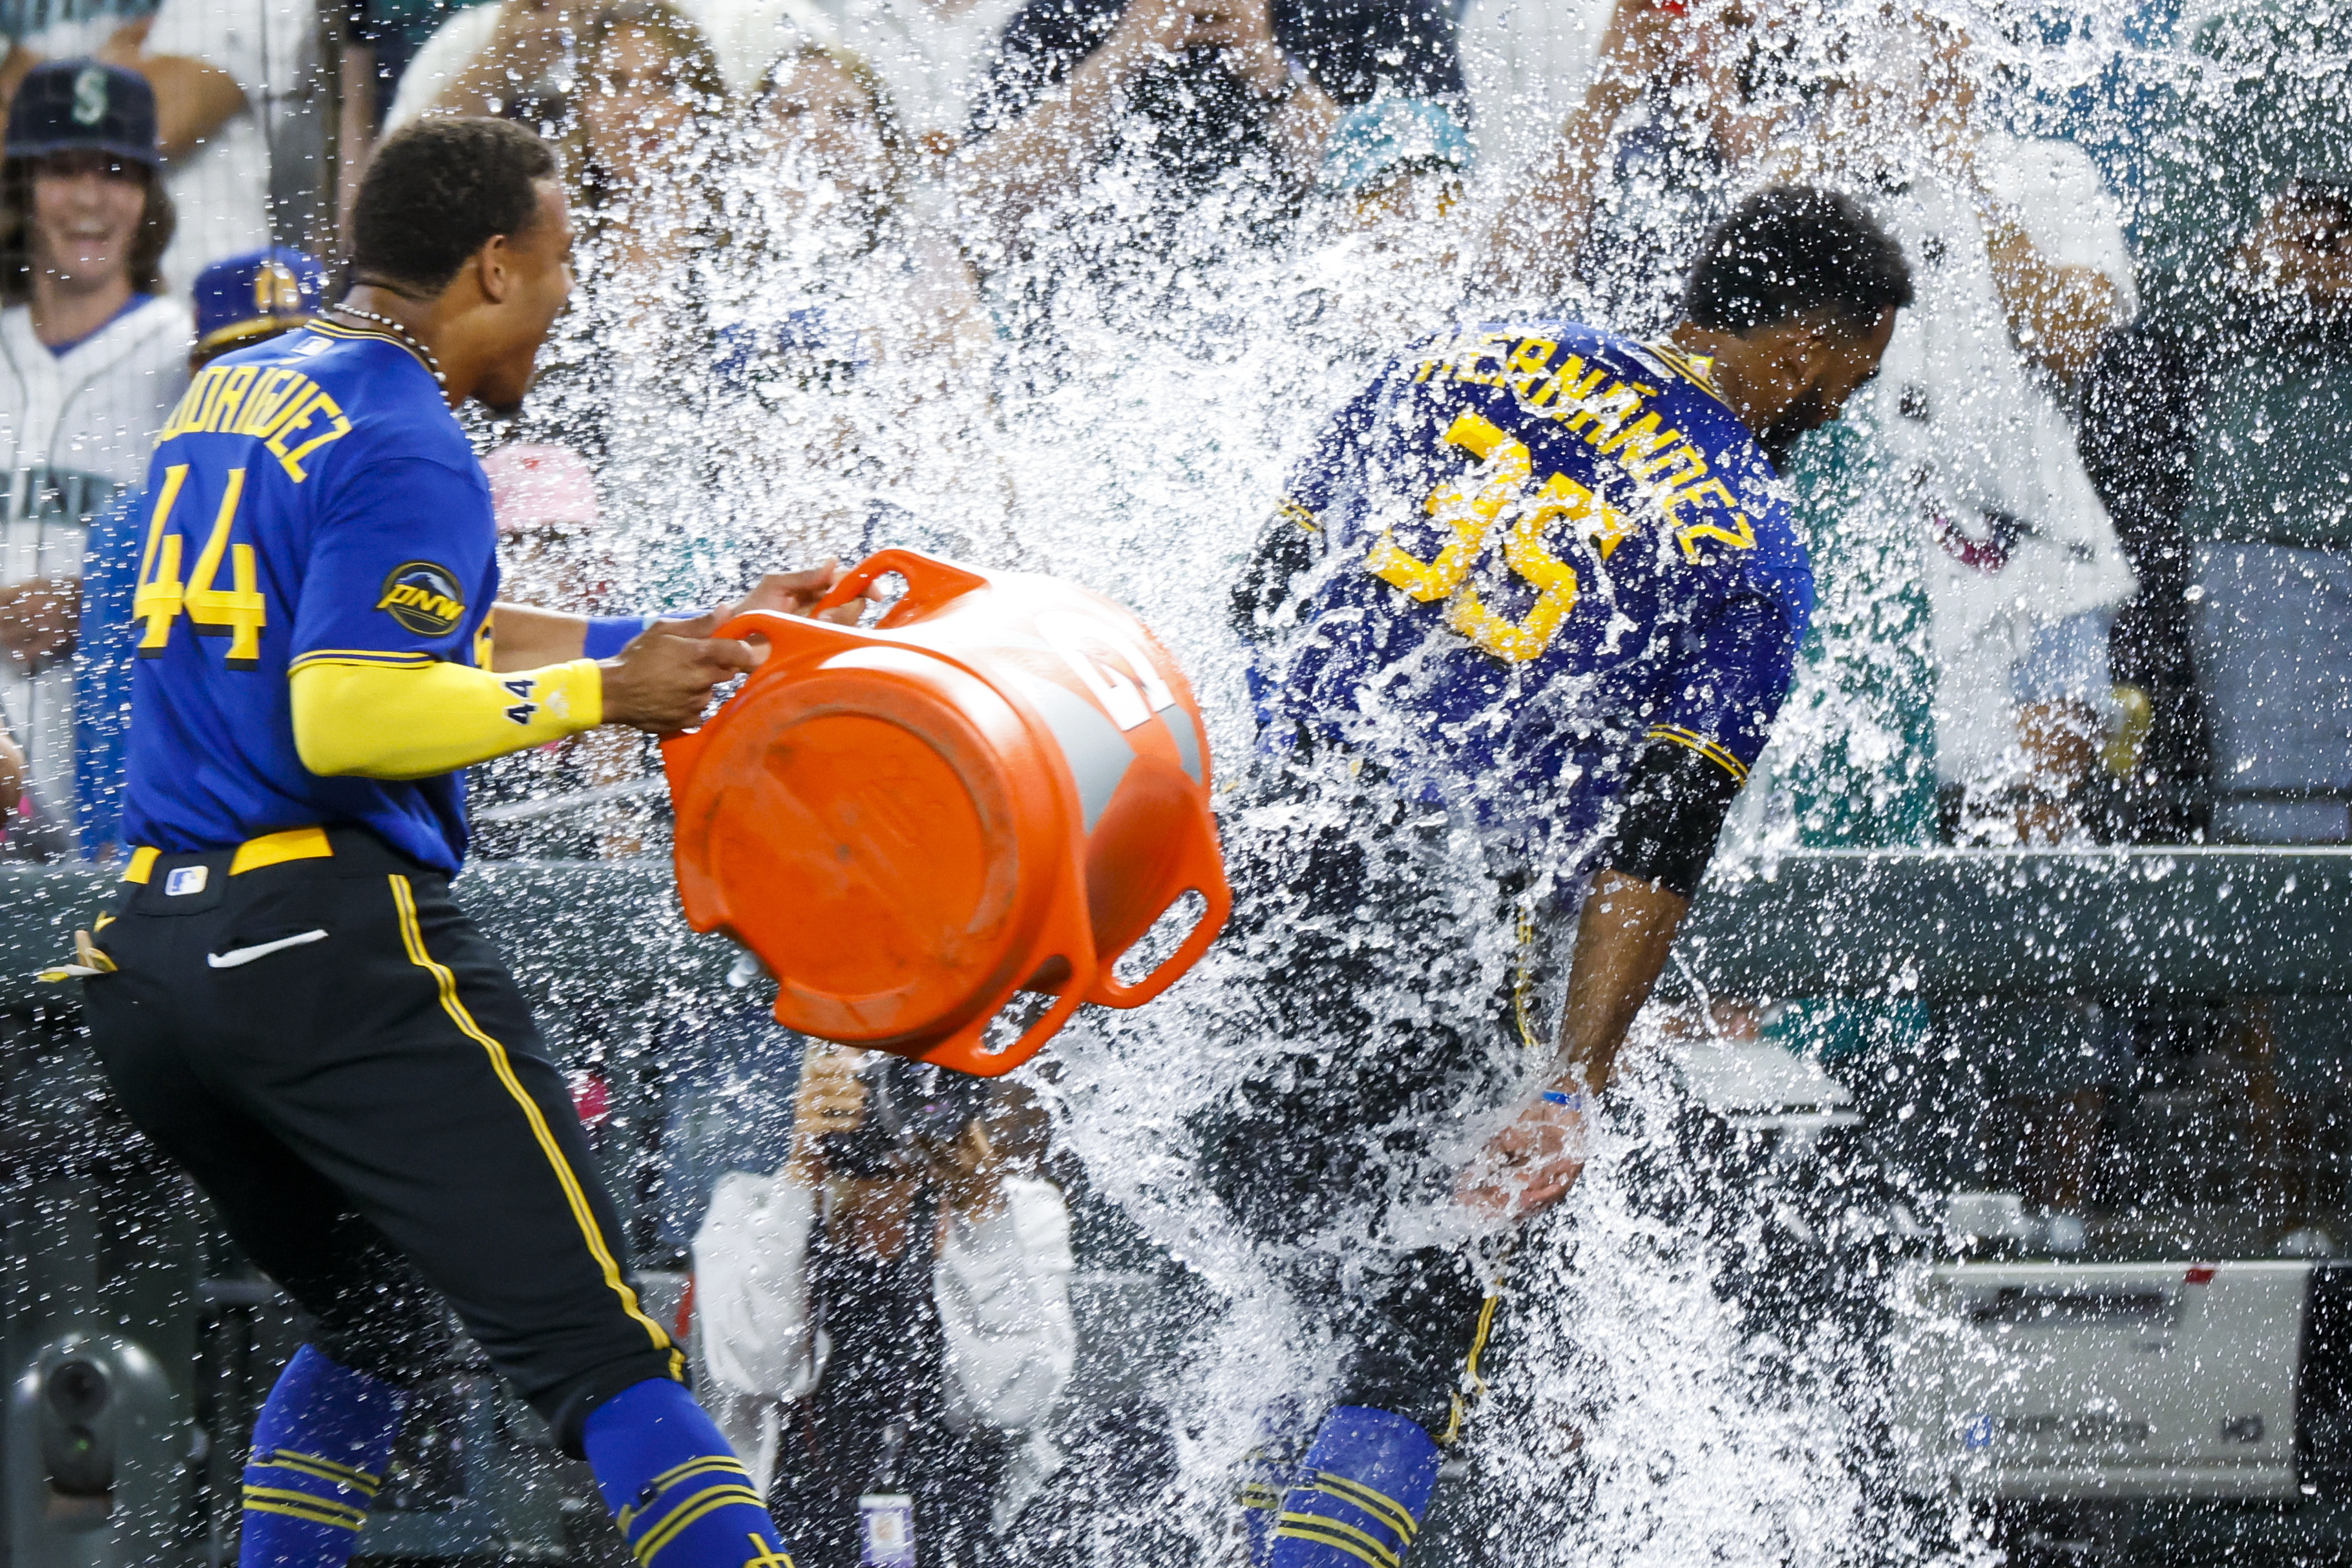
1531 607
297 1010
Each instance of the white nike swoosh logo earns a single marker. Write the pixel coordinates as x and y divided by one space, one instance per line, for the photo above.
235 955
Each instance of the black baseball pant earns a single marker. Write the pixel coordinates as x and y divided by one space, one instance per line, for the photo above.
344 1064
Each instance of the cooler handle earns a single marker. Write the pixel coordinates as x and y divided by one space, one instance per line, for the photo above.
796 633
1205 876
961 1051
931 584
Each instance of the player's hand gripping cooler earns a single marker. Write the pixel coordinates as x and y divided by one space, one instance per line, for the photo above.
999 787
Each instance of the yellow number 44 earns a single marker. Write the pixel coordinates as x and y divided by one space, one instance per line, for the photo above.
238 612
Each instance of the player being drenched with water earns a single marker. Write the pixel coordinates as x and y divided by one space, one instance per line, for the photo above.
285 995
1522 629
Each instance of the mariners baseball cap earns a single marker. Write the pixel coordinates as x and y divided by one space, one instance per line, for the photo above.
63 106
256 296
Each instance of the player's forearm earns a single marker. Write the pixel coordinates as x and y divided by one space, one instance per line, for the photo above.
524 637
367 718
1676 797
1621 941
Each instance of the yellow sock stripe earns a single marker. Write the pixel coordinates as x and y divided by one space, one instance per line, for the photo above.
325 1468
765 1553
1379 1505
304 1505
1704 746
707 1501
695 1467
1331 1532
414 936
707 1464
308 1515
1261 1494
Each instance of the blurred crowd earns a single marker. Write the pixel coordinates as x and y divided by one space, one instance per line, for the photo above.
2085 549
2081 547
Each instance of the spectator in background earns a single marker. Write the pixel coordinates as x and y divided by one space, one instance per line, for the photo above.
567 800
1353 93
833 172
92 357
62 29
1526 64
928 55
854 326
207 61
643 150
240 302
390 34
883 1323
1666 129
2221 439
2020 256
516 57
2260 91
645 127
39 30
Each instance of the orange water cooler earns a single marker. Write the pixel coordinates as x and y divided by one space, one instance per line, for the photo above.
997 789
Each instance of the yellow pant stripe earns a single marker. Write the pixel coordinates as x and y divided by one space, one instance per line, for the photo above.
1379 1505
414 936
1331 1532
1477 1385
303 1505
325 1469
707 1464
707 1501
1695 741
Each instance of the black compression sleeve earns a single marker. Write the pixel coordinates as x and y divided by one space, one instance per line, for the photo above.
1673 809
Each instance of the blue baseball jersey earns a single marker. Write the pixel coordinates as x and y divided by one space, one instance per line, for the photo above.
312 496
1534 546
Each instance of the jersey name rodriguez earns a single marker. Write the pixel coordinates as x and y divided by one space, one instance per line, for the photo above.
310 500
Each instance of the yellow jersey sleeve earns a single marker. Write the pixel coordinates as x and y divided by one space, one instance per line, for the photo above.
379 718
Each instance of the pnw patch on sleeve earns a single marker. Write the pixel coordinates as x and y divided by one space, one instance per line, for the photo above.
424 597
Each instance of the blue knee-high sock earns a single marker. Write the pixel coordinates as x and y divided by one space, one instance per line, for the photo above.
318 1453
1360 1495
1268 1472
680 1495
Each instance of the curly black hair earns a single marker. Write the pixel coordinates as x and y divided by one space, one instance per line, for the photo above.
1789 252
439 191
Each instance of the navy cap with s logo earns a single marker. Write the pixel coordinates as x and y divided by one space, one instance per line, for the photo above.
64 106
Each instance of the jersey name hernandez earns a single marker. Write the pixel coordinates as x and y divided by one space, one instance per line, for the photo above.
1533 546
310 498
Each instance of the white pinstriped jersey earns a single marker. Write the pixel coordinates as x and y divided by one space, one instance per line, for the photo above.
73 432
221 189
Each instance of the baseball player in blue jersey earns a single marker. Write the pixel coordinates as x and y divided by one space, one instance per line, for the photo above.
285 997
1522 629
